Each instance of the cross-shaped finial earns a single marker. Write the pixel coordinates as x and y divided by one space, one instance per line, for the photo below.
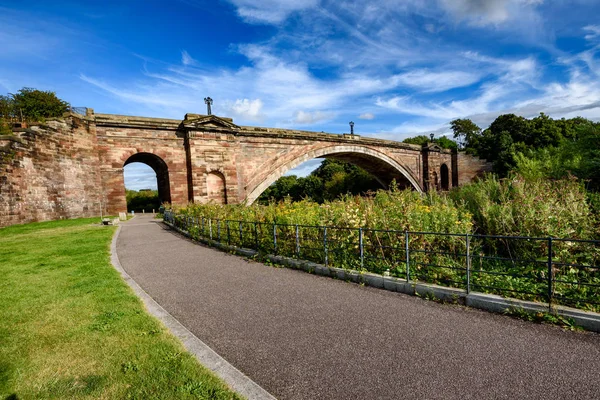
208 102
351 128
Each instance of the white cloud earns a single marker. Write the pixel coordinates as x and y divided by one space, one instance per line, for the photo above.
367 116
594 31
270 11
303 117
248 108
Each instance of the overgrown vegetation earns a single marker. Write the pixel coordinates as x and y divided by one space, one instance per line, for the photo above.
142 200
71 328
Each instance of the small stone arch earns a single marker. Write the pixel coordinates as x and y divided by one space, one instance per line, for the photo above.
375 162
444 177
160 169
216 188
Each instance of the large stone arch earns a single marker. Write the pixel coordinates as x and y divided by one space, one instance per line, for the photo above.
161 169
383 167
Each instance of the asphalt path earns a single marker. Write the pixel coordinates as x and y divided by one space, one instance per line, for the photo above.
302 336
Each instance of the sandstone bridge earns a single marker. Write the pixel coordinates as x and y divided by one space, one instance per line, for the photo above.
71 166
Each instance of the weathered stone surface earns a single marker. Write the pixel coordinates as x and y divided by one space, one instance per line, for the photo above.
67 168
50 172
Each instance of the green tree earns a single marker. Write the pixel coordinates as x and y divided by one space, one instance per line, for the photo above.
36 105
466 133
331 180
442 141
143 200
6 107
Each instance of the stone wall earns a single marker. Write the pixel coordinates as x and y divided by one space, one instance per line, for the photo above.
470 167
49 172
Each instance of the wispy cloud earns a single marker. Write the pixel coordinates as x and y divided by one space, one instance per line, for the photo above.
484 12
375 62
270 11
186 59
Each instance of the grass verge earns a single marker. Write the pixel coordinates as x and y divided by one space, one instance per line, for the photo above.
72 328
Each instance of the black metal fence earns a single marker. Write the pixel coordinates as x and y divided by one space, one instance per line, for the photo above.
556 271
78 110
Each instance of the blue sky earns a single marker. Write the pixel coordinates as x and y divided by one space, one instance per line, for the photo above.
396 69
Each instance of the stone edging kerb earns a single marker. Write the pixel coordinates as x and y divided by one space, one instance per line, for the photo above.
233 377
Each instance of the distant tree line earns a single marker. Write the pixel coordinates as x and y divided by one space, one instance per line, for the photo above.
142 200
329 181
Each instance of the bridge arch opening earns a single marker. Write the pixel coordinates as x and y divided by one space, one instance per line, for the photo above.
382 167
444 177
144 180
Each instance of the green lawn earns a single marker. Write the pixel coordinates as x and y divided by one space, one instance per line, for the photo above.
71 328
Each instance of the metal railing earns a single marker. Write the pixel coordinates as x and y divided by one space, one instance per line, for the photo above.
78 110
551 270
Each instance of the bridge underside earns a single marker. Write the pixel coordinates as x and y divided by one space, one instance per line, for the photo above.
382 171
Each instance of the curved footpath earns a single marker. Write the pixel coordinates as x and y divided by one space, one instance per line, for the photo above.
302 336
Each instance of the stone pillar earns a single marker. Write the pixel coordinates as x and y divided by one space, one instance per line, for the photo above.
113 190
425 158
454 168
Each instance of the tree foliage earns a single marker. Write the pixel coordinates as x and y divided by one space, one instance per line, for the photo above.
329 181
442 141
143 200
465 131
32 105
510 138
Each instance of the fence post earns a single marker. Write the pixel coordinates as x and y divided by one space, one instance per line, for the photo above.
297 242
407 256
241 234
256 235
228 232
468 245
219 230
550 275
326 255
275 238
210 227
203 226
361 249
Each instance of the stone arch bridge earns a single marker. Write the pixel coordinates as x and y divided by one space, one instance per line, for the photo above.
209 158
73 166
